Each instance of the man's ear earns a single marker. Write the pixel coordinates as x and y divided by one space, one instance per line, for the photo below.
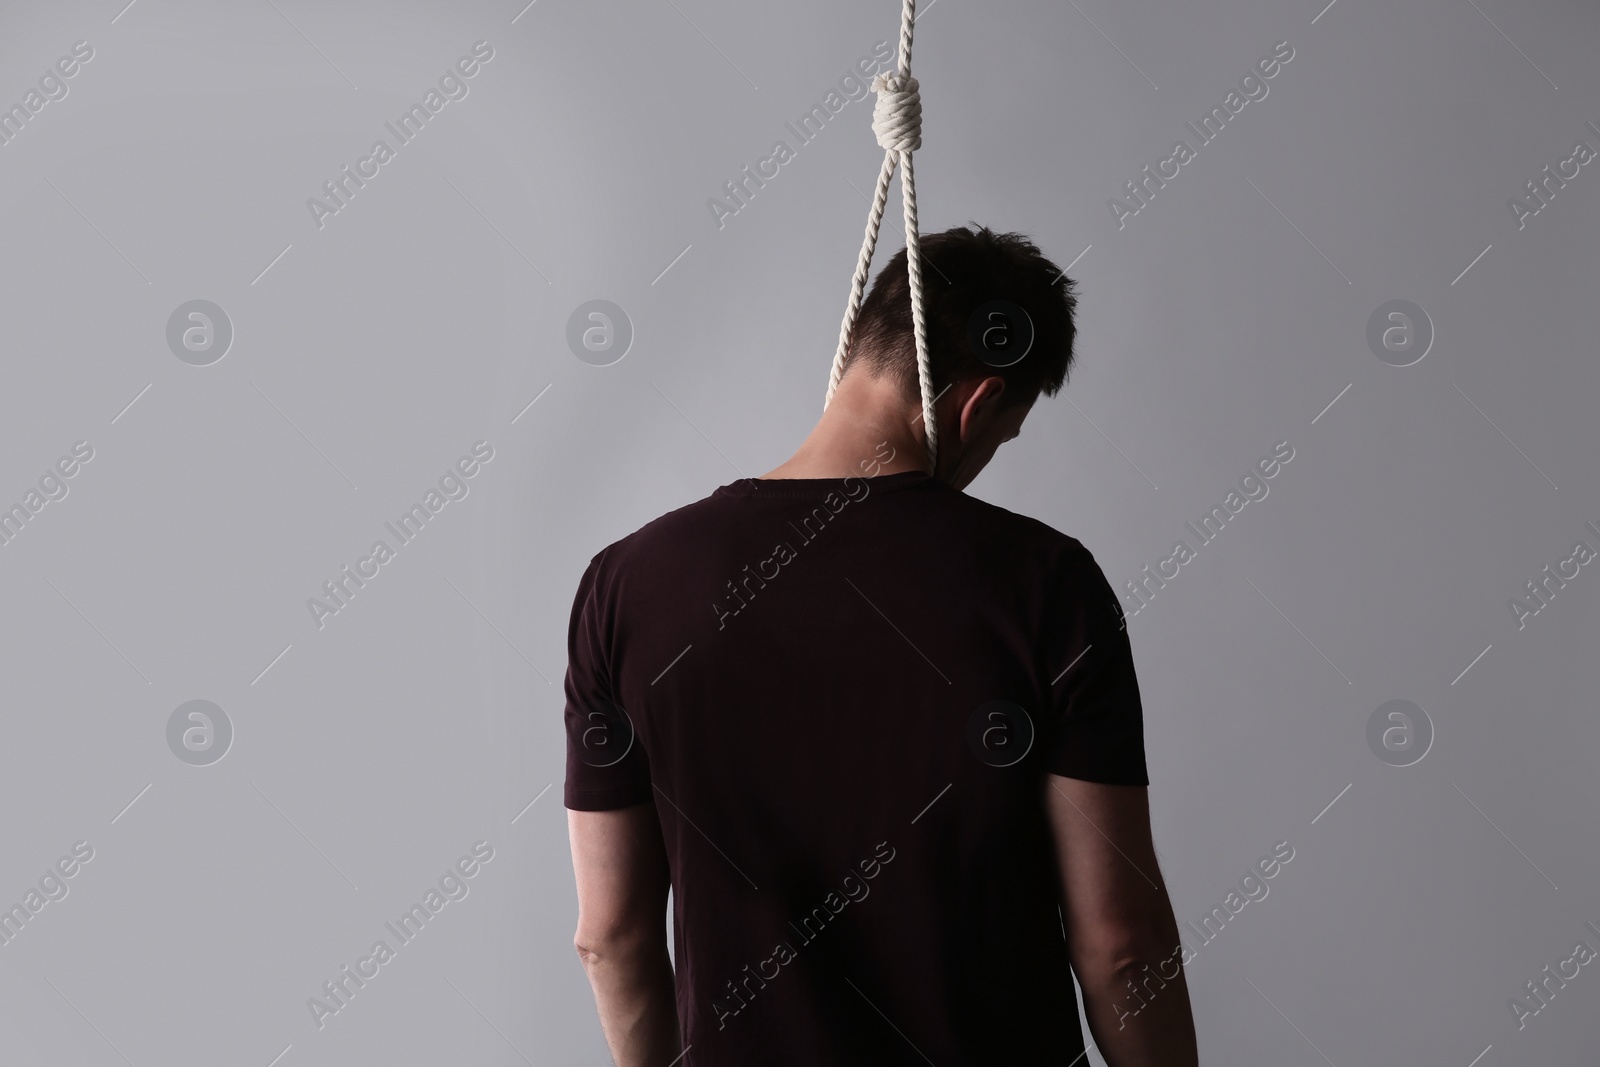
981 405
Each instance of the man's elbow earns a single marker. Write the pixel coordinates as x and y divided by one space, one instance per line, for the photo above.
615 944
1154 967
1154 955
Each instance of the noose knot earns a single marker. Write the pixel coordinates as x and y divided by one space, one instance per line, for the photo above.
897 115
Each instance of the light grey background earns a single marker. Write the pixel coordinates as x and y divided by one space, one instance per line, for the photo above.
369 754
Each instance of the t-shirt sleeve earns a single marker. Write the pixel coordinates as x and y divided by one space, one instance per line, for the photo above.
606 766
1097 717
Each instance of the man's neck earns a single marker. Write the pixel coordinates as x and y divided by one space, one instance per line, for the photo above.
865 431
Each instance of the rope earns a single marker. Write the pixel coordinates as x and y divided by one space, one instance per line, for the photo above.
897 124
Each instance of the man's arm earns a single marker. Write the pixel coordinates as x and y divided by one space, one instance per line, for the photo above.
1121 935
621 867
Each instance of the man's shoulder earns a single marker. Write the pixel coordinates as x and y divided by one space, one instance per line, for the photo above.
1028 532
691 521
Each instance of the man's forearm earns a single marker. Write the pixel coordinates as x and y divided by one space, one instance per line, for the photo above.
1139 1016
633 990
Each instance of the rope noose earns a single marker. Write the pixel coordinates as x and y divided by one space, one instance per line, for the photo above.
897 124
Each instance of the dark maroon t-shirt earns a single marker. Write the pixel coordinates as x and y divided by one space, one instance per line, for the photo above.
842 696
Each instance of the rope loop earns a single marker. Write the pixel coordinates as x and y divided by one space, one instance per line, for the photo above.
897 124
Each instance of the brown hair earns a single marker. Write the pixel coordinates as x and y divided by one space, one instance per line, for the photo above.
962 270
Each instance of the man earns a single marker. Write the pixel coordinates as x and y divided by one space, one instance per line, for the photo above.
882 740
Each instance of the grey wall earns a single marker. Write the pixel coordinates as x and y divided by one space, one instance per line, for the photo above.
370 352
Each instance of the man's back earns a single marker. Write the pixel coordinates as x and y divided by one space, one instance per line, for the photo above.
842 696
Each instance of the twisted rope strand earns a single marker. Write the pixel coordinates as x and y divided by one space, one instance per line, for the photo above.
897 125
858 284
914 270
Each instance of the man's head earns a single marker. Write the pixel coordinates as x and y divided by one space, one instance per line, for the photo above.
984 391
